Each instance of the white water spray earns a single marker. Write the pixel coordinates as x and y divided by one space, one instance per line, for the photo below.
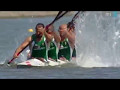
98 39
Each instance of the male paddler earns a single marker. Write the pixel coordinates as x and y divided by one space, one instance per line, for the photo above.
67 43
40 38
71 29
53 46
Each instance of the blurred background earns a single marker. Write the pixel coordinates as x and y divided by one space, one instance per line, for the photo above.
13 14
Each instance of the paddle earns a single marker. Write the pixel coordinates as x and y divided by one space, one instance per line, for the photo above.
71 23
59 15
19 53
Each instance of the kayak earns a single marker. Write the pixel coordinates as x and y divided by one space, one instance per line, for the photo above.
38 63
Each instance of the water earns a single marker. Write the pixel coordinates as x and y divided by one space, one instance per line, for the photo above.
14 31
99 39
60 73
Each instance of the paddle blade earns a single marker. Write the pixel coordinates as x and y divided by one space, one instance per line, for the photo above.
11 60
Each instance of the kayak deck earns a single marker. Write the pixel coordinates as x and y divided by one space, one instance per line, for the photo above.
36 62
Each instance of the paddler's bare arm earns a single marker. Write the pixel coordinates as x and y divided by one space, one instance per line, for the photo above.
56 36
22 46
71 38
49 37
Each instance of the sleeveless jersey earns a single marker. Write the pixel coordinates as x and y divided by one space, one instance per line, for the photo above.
39 49
65 50
53 50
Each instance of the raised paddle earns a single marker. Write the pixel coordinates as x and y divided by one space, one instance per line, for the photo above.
71 23
59 15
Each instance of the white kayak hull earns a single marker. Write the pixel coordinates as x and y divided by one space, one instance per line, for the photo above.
36 62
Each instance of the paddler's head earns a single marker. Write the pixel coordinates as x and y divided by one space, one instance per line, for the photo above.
50 29
39 30
63 29
71 26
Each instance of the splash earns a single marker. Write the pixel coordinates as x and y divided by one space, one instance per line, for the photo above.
98 39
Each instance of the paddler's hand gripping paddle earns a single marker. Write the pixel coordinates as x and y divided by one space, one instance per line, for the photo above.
18 53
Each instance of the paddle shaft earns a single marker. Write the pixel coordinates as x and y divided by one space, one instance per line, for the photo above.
71 23
75 16
58 17
19 53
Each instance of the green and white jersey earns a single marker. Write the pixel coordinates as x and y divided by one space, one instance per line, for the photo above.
53 50
65 50
39 49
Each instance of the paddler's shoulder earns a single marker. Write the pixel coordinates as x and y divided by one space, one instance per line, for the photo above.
33 36
28 39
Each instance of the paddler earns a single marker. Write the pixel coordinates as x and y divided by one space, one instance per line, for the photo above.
40 38
67 43
71 29
53 46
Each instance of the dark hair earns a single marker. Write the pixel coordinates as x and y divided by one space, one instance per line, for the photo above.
70 25
40 24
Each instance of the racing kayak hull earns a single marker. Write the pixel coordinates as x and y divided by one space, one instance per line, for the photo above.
38 63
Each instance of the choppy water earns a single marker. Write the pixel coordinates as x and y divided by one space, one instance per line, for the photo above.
12 34
98 39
